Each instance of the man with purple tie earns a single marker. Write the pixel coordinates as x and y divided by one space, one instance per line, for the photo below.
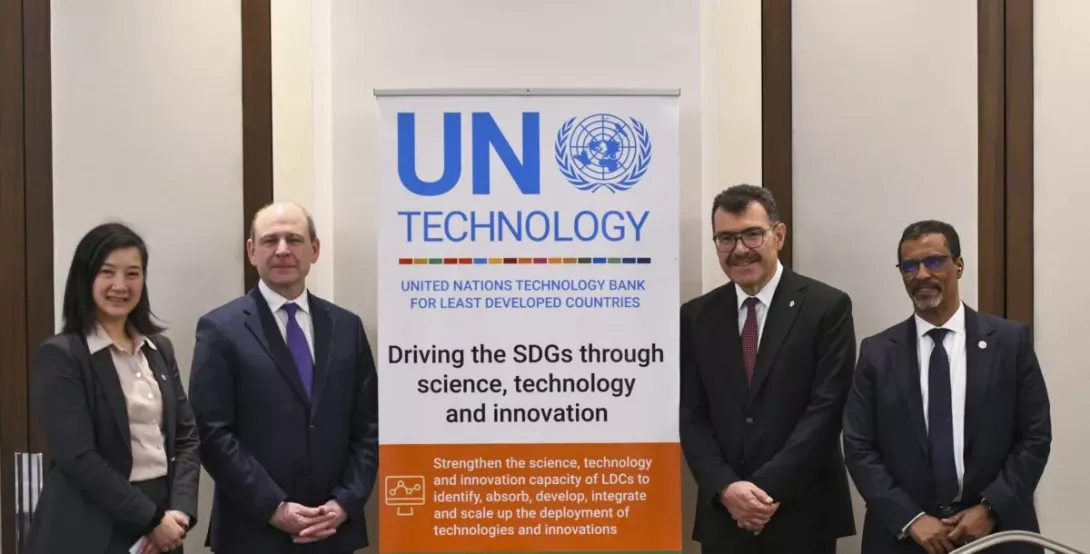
284 390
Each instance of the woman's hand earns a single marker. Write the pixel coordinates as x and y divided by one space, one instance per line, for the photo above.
170 532
148 547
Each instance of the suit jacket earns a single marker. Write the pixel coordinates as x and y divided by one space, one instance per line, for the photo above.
1008 432
780 433
265 442
83 414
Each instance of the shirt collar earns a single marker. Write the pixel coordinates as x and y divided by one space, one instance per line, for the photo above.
276 301
99 339
956 323
766 294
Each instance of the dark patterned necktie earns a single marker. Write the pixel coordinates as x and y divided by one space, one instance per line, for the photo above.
297 344
940 420
749 337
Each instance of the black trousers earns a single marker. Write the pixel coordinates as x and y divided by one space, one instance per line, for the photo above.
157 490
823 547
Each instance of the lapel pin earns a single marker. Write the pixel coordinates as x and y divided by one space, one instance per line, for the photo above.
791 304
164 377
982 345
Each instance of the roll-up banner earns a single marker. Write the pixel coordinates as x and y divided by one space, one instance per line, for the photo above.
528 321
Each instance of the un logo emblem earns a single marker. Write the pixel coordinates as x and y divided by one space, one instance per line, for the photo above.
603 151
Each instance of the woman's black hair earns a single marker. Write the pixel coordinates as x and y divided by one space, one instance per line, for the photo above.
91 253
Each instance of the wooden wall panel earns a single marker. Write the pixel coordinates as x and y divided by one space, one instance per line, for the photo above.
26 223
257 126
776 109
1018 64
1005 193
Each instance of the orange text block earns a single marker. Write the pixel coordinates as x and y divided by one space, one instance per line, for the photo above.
530 497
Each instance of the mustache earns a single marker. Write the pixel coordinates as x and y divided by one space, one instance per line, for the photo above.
926 285
739 259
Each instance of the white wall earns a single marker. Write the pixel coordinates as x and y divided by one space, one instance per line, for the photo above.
293 108
885 120
292 102
731 113
1061 173
147 128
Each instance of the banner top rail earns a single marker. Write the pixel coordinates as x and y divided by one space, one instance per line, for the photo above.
470 91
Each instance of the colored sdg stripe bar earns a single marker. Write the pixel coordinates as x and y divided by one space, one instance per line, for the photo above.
520 261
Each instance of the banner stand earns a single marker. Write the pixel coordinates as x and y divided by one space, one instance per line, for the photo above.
528 320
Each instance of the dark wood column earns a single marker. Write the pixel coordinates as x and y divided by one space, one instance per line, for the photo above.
1005 85
26 223
776 109
257 125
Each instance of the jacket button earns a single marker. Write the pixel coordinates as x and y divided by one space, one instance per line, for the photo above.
749 421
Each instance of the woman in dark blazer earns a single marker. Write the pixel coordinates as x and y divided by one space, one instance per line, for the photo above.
121 438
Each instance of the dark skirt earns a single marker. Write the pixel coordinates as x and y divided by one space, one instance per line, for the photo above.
155 489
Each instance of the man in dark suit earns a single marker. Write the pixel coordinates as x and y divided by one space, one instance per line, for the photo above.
947 429
284 390
766 364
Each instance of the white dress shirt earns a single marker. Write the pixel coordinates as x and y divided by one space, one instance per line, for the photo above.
764 300
302 315
954 343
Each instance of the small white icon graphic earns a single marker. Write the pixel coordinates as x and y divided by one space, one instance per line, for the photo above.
404 492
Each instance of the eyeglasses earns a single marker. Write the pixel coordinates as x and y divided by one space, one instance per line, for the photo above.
753 238
932 263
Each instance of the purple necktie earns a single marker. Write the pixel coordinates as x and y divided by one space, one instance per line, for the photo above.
300 352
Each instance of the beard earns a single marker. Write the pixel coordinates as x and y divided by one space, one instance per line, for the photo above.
929 303
927 296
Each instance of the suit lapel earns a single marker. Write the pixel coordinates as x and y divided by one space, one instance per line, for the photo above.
722 338
323 323
160 373
103 364
261 323
906 373
786 304
980 351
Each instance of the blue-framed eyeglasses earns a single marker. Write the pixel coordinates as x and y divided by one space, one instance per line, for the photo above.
932 263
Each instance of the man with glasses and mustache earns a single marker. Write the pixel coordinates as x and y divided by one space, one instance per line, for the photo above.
766 366
947 429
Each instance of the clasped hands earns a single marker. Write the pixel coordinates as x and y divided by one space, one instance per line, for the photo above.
168 535
750 506
939 536
306 524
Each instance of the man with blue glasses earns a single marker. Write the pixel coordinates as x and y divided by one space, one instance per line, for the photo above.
947 429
